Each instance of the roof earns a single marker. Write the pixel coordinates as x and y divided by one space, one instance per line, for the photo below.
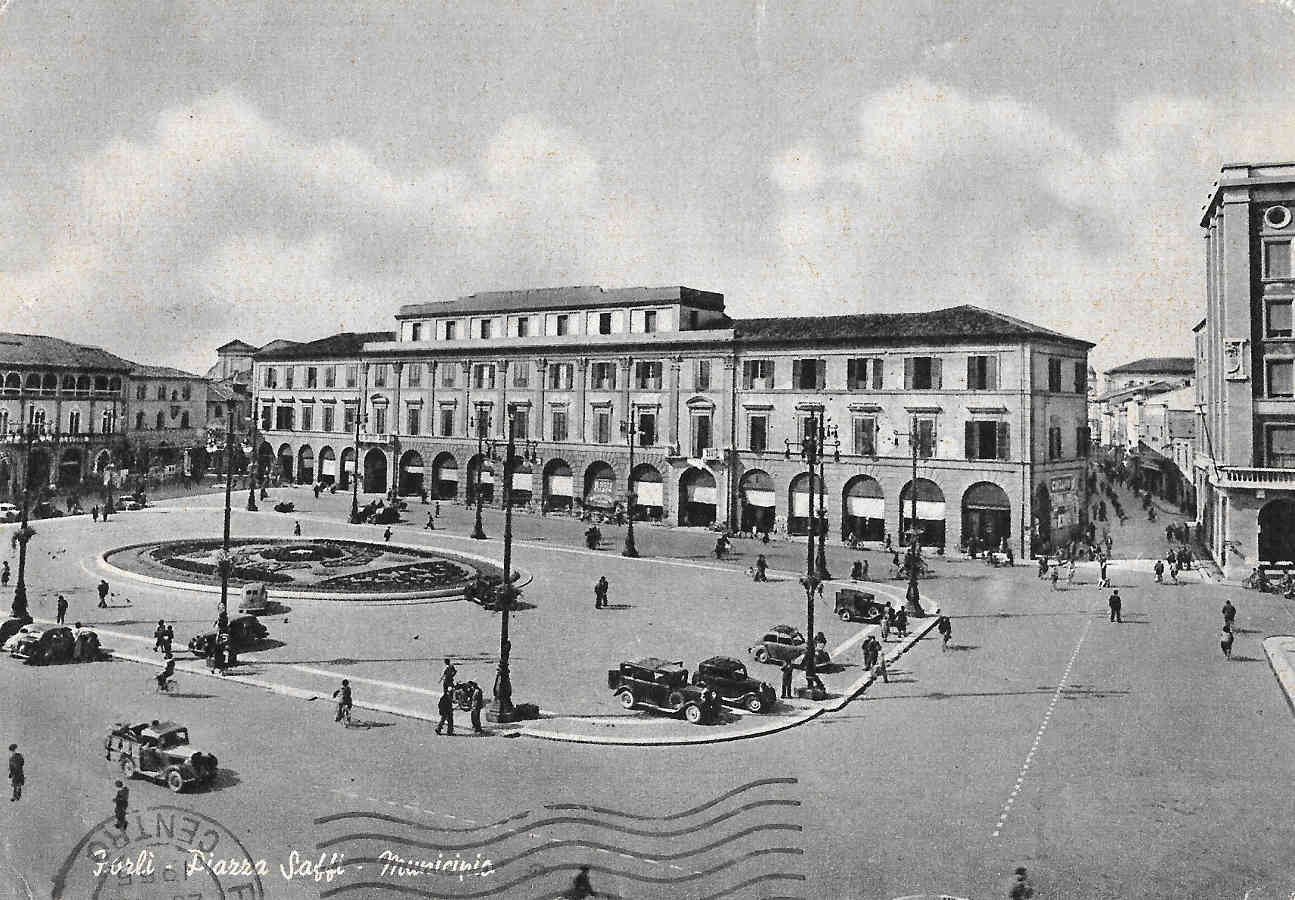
957 323
345 344
1158 365
279 344
40 350
235 345
157 729
142 371
1150 389
652 662
583 296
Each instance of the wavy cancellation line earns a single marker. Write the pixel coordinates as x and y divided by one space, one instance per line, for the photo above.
496 890
396 820
763 782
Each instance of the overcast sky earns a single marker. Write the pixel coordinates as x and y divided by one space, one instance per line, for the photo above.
179 173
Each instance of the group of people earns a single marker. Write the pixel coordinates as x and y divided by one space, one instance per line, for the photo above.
445 706
1227 635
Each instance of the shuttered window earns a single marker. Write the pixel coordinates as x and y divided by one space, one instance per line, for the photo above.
922 373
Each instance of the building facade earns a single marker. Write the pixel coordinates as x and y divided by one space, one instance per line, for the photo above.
1245 447
166 421
716 409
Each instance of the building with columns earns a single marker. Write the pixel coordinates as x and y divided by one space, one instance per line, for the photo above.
716 407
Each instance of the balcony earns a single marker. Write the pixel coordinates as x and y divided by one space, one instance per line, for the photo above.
369 437
1257 479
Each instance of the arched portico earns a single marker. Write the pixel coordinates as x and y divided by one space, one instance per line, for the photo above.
930 513
411 473
1277 531
648 491
600 487
986 515
375 472
445 476
306 465
805 497
758 501
863 509
347 469
327 466
285 462
557 488
698 498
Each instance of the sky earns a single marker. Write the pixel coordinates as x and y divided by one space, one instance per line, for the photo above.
180 173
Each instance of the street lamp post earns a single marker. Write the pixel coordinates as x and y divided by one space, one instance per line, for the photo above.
226 563
502 709
912 596
810 450
827 436
253 461
355 464
18 608
478 530
630 426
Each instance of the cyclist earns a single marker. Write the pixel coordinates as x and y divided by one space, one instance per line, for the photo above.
164 677
343 697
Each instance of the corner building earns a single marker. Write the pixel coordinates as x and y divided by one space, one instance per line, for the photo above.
717 407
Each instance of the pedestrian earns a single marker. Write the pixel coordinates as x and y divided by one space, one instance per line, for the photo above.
887 621
167 638
881 665
4 574
103 594
1159 569
1054 575
1225 640
431 523
764 538
1173 572
448 675
61 609
866 648
786 679
478 700
436 509
1109 543
1229 613
600 593
343 697
1043 567
159 636
386 535
296 528
761 568
1115 603
1070 573
945 627
445 706
1105 581
1021 887
220 654
17 777
120 801
901 622
94 514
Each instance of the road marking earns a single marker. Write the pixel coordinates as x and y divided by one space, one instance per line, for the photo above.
1038 735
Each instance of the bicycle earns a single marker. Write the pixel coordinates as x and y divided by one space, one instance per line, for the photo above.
344 714
163 685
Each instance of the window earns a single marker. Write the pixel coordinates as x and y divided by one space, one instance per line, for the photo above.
1081 378
1280 446
1279 317
923 373
218 411
1277 259
449 374
289 372
523 327
701 375
757 374
312 377
36 416
283 418
808 374
415 376
649 321
447 421
982 373
602 376
1054 376
416 331
184 419
646 436
1054 442
74 422
483 376
141 392
1281 378
159 421
757 430
330 418
605 323
1082 441
561 376
701 435
647 376
925 438
413 419
352 376
108 421
271 377
863 373
521 422
865 435
521 373
559 430
451 331
139 420
562 325
602 425
380 420
987 440
161 389
379 376
267 413
486 329
330 376
308 417
348 417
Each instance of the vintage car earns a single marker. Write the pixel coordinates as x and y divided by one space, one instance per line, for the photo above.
782 642
255 600
728 678
11 626
858 606
663 686
159 751
244 632
9 513
43 644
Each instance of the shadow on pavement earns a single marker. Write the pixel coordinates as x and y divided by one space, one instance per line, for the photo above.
1236 658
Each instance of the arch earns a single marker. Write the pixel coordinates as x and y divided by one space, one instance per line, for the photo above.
445 476
38 472
863 509
600 486
69 467
557 487
1277 531
758 501
1042 535
306 465
102 460
265 459
327 473
930 512
160 421
101 382
697 497
69 382
481 478
411 473
647 489
83 384
802 504
13 382
285 458
49 382
114 384
521 480
347 471
986 516
32 382
6 476
375 472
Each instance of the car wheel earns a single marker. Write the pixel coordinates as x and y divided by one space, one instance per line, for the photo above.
127 766
674 701
845 616
754 703
762 655
626 698
692 712
175 781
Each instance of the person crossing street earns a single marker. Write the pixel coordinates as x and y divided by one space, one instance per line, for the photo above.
17 775
343 697
1116 605
120 802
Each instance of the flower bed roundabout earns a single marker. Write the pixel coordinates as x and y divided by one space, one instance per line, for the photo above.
293 568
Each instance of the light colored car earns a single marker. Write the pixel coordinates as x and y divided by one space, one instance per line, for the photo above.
9 513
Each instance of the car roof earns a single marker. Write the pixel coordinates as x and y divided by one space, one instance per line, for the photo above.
784 629
726 662
661 665
161 728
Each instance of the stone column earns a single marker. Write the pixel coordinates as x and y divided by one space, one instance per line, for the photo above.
501 387
542 372
672 407
627 372
467 399
582 386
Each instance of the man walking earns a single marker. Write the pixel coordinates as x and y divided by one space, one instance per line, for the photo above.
4 574
159 636
120 801
1159 569
477 702
786 679
945 627
445 706
761 568
1105 581
600 593
16 776
1225 640
61 609
343 697
103 594
1229 613
447 675
1115 603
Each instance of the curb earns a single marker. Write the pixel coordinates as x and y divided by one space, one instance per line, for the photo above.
1278 649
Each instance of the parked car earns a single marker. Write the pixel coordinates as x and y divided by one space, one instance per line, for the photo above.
9 513
858 606
783 642
244 632
663 687
255 600
728 678
9 627
41 644
159 751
